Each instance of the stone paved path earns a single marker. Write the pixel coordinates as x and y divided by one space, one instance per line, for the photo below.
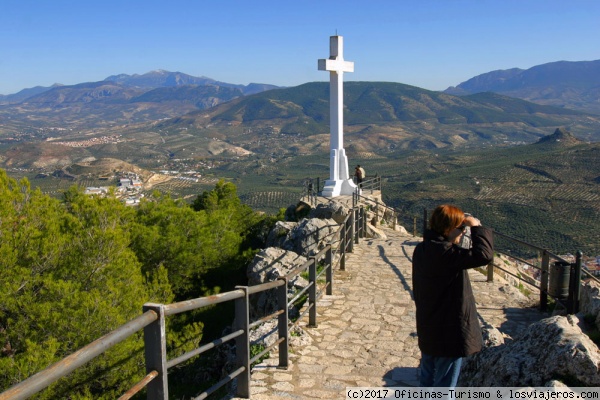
366 330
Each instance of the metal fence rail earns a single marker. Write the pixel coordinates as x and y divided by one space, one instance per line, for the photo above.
382 212
153 323
574 289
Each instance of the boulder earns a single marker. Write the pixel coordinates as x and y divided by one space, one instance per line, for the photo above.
401 229
268 265
279 233
491 336
272 263
549 349
590 301
306 237
374 233
297 212
331 210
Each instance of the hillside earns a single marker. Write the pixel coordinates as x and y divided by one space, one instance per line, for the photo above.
485 151
546 190
549 190
379 117
573 85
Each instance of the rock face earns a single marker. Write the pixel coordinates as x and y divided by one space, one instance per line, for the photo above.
306 237
590 301
553 348
288 245
268 265
280 233
332 210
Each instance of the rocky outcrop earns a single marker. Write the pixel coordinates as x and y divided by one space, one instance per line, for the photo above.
268 265
552 349
289 244
331 210
560 135
590 302
375 233
279 234
306 237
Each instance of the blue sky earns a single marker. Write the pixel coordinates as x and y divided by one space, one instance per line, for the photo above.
425 43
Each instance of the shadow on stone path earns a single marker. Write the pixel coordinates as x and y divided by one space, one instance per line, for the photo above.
366 333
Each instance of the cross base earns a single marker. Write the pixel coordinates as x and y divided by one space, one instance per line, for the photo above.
341 187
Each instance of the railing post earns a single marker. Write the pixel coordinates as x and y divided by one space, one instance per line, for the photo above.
355 225
575 284
312 293
376 213
282 323
490 270
242 342
342 248
351 226
544 281
361 222
329 273
155 349
310 192
365 222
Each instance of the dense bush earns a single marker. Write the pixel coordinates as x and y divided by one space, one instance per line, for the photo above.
75 269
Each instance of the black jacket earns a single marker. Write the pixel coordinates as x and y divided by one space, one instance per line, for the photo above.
447 324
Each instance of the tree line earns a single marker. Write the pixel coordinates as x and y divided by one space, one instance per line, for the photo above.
76 268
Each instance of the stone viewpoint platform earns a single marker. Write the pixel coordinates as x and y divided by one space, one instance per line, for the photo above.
366 333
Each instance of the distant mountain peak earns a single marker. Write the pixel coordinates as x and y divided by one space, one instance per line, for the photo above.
560 135
160 78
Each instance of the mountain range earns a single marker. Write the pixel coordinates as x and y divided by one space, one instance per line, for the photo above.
187 116
497 155
574 85
379 118
150 80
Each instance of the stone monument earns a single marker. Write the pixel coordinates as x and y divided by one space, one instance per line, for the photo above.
339 182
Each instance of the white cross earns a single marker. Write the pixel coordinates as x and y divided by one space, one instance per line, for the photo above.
339 180
336 62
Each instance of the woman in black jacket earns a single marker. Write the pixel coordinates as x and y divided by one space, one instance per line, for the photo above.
447 324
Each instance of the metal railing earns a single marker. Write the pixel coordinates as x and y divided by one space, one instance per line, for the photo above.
573 275
544 255
382 212
314 186
153 323
371 183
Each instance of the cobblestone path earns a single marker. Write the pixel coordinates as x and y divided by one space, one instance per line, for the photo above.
366 334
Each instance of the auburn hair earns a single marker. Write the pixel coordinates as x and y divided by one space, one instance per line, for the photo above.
445 218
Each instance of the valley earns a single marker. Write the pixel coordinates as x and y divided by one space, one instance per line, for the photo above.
528 170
